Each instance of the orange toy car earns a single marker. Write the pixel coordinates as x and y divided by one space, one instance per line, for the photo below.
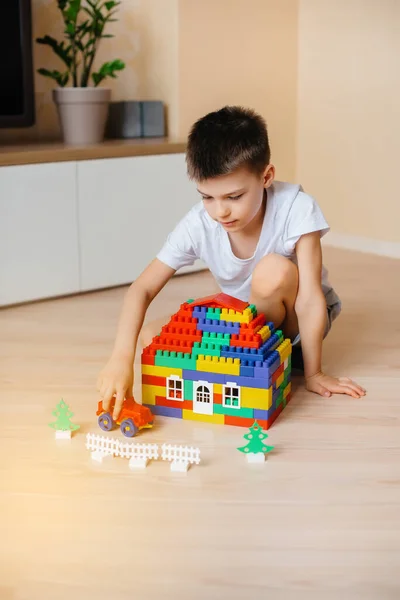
133 416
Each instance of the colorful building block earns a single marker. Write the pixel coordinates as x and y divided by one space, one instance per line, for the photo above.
215 364
161 371
218 361
166 411
214 326
182 404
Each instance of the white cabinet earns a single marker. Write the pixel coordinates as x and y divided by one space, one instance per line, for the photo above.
67 227
38 232
127 206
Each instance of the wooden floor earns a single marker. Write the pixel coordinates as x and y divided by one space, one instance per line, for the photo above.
320 520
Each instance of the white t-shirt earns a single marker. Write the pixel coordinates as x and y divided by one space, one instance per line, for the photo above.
290 213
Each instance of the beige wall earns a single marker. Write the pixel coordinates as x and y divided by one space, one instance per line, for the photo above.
241 52
196 56
146 40
324 75
348 113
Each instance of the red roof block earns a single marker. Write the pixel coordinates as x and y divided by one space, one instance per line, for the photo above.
221 301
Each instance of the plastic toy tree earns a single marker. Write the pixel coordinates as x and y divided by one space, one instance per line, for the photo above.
255 438
63 414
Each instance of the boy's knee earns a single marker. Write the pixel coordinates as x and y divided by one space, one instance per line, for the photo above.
273 273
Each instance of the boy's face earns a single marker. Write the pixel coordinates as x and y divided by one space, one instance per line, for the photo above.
235 200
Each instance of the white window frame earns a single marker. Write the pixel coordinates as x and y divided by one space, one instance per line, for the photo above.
231 386
174 379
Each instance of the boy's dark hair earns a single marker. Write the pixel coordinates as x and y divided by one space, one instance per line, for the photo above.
224 140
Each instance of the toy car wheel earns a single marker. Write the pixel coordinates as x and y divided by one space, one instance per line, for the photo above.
105 422
129 428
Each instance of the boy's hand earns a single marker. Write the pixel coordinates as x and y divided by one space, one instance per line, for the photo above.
324 385
116 379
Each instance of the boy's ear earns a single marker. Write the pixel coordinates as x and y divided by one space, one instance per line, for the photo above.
269 175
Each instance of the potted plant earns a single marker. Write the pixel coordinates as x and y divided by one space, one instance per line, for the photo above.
83 107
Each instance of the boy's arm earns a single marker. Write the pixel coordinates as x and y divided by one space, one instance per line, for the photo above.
117 376
311 313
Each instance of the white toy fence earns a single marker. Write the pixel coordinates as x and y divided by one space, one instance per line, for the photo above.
106 445
183 454
139 454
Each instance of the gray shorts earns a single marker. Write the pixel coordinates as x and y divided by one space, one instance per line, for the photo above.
332 312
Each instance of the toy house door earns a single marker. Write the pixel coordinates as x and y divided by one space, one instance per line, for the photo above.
203 398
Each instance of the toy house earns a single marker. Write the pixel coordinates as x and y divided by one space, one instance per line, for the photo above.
218 361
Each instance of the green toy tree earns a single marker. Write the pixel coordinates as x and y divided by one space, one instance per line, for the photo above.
256 444
63 414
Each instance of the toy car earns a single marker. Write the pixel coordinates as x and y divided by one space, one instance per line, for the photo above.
132 417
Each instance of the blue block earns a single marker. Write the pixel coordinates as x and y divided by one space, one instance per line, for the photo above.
215 326
205 376
272 343
268 367
246 370
264 415
200 312
250 355
165 411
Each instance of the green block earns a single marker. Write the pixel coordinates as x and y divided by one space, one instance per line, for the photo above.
286 372
253 309
187 390
220 339
176 360
246 413
281 400
206 349
213 313
190 301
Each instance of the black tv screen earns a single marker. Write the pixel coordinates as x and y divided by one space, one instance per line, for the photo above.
16 69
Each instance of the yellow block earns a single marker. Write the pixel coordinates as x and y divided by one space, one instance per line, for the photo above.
256 398
149 393
189 415
217 388
285 350
160 371
236 317
287 389
265 333
280 379
216 364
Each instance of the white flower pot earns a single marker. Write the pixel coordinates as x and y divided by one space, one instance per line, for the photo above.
82 113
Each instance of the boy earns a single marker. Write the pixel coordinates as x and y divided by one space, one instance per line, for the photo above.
260 239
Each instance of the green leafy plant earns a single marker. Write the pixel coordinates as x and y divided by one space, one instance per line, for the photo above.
84 25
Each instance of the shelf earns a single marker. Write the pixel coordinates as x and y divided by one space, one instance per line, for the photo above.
49 152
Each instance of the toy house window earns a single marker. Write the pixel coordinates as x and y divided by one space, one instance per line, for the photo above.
174 388
203 394
231 396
